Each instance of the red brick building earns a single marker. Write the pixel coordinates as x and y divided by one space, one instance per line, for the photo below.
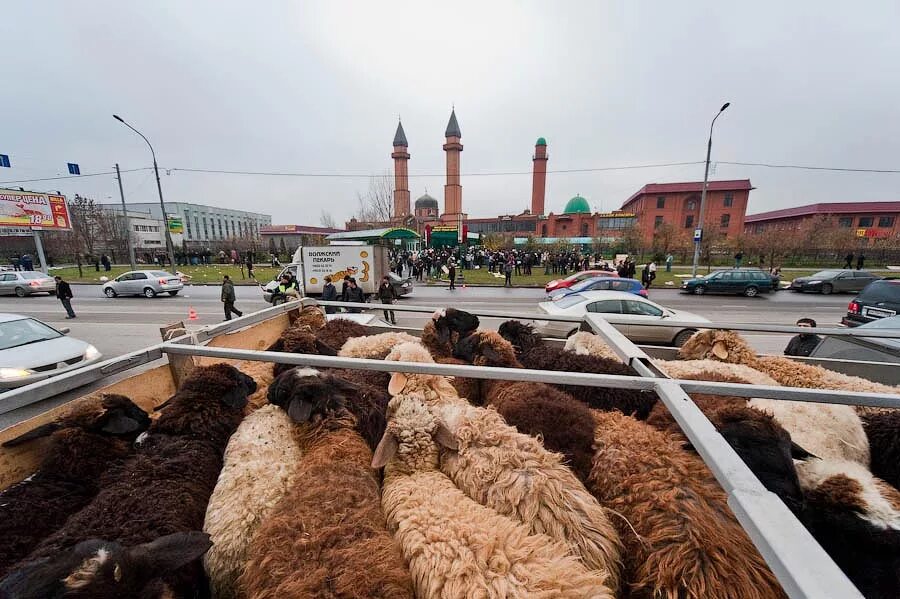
869 220
679 204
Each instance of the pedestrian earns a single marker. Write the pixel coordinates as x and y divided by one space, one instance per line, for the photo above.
507 271
804 343
104 260
652 272
451 272
860 262
848 260
329 294
344 287
16 263
387 295
250 266
669 259
738 258
229 298
355 294
64 293
645 276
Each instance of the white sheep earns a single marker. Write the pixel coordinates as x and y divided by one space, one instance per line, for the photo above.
374 347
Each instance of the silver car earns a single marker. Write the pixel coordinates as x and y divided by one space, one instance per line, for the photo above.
26 282
632 315
148 283
31 350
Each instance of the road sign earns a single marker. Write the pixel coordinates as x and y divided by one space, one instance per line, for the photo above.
74 169
4 160
698 234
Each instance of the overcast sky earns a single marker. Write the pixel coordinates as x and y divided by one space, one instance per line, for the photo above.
316 87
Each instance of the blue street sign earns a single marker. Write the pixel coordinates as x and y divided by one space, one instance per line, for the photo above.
698 234
4 160
73 168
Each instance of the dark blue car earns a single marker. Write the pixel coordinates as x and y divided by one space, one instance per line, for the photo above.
601 284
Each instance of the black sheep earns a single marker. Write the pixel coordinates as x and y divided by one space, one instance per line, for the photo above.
883 431
83 445
165 487
98 569
336 332
535 354
298 340
445 329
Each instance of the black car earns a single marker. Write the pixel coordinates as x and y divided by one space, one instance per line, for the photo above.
744 281
879 299
834 281
402 286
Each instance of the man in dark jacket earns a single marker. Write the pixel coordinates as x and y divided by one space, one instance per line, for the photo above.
860 262
451 273
344 288
355 294
804 343
229 298
64 293
387 295
848 260
329 294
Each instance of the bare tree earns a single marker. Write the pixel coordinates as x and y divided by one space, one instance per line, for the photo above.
377 204
326 220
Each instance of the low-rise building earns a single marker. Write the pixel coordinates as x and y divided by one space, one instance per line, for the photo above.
207 224
294 236
868 220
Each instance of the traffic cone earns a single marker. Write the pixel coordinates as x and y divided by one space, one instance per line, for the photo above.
192 314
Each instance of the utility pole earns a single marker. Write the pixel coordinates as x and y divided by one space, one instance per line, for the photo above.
40 249
127 222
698 232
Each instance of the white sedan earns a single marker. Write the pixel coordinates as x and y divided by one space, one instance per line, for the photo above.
632 314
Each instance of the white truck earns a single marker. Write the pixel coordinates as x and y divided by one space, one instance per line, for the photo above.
310 265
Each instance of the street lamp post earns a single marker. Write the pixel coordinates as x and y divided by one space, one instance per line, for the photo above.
698 239
162 205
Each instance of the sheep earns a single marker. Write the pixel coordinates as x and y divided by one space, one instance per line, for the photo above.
883 432
311 316
680 538
106 570
165 486
589 344
258 469
374 347
446 327
327 536
511 472
337 331
563 424
696 369
454 546
856 519
83 445
832 431
299 340
534 353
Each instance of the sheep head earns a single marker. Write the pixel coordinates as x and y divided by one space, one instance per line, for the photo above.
724 346
222 381
116 415
487 348
446 328
522 336
413 434
104 569
308 395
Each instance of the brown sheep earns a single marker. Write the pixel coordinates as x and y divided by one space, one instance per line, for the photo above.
337 331
298 340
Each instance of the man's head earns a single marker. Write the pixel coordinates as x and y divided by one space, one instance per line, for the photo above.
352 282
385 279
806 322
226 278
57 278
347 278
328 279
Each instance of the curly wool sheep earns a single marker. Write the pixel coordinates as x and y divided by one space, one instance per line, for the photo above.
883 432
327 537
680 538
106 570
374 347
311 316
83 445
455 547
259 465
446 327
165 486
539 355
299 340
337 331
697 369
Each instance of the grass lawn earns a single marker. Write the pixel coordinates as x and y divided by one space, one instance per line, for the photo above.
211 273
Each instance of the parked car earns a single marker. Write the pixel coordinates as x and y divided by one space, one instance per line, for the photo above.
577 278
834 281
26 282
601 283
743 281
402 286
31 350
633 309
880 299
148 283
871 349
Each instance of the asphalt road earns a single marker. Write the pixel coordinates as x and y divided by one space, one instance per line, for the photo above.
119 325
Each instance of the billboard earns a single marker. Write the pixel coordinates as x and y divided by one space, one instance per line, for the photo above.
34 210
175 225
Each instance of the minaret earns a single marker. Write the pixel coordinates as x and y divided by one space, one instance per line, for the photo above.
401 174
539 181
452 190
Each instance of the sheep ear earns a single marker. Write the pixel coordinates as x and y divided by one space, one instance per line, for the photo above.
397 383
386 449
324 349
798 453
120 424
163 404
171 552
35 433
299 410
719 350
277 346
445 438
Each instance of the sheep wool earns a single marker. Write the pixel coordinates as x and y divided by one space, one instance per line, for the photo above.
883 432
374 347
259 467
698 369
680 538
455 547
589 344
873 500
337 331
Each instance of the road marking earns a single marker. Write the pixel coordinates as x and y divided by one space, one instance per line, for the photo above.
733 306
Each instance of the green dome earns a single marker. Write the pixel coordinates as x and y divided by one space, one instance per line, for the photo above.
541 142
577 205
